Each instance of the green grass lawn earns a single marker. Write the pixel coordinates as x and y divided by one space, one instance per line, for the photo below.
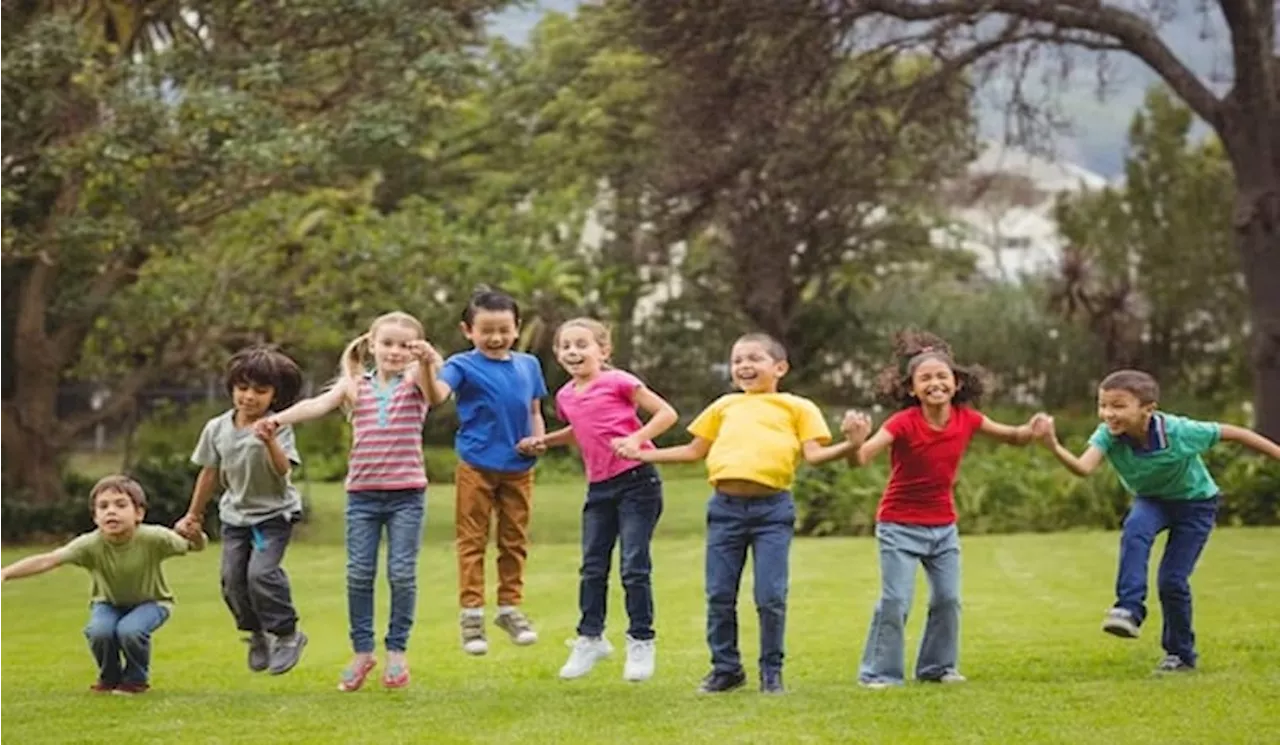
1040 670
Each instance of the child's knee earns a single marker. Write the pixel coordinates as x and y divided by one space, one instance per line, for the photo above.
100 632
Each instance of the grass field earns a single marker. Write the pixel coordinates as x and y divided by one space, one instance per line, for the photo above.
1040 670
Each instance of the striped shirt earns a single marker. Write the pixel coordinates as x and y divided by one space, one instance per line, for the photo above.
386 441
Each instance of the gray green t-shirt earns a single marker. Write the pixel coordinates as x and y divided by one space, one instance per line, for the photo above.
252 491
128 573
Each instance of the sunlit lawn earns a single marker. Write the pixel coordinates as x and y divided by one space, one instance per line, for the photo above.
1039 668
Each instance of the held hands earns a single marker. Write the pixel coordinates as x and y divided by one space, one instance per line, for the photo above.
627 447
189 527
426 354
856 426
265 428
1042 429
531 446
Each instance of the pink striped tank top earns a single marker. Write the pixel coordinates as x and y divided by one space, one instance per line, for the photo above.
386 440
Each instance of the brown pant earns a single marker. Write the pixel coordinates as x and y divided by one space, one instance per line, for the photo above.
480 491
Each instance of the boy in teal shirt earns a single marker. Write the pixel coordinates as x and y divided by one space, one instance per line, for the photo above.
130 598
1157 457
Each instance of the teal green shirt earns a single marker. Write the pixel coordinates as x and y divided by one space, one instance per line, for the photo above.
1168 464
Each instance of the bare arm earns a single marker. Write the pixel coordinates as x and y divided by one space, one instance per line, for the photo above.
562 436
275 453
1250 439
32 565
871 448
1008 434
695 450
316 406
815 453
188 526
1086 464
539 421
662 415
436 390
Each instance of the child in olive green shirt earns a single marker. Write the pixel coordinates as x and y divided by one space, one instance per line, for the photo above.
130 598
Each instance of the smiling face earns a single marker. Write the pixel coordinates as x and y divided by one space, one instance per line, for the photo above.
1124 413
933 382
580 352
252 400
493 332
390 346
754 369
116 514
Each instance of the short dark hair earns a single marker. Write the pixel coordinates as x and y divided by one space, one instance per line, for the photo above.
486 298
266 365
910 349
1142 385
119 483
775 348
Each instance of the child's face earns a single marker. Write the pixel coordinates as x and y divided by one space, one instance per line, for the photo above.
390 343
753 369
493 332
1123 413
115 514
252 400
934 383
579 353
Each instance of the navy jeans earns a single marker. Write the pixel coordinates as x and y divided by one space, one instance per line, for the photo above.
1189 523
402 513
116 631
765 525
622 509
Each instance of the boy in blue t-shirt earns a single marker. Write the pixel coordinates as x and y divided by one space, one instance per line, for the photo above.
1157 457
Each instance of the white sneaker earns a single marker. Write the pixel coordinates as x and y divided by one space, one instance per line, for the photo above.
639 665
586 653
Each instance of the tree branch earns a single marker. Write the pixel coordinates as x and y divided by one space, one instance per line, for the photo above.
1253 36
1134 34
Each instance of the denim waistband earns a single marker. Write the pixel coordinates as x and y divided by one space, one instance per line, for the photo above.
779 496
642 471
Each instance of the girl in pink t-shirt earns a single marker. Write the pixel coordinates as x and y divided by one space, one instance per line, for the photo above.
916 521
624 497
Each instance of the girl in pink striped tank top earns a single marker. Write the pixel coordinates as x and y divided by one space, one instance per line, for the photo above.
386 481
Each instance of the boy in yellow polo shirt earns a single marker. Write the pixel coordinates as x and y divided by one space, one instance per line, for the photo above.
752 442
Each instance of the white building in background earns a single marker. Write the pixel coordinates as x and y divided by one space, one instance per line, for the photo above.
1002 210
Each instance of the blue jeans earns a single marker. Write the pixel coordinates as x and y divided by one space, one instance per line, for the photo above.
734 524
116 630
1189 523
402 513
622 509
901 548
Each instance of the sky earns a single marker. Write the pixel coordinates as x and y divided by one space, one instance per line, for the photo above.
1097 127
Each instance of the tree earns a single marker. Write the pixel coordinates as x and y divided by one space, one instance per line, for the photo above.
131 129
1150 266
1245 116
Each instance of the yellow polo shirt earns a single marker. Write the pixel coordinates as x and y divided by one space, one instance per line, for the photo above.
757 436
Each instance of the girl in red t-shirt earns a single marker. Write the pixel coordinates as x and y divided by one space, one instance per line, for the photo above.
916 521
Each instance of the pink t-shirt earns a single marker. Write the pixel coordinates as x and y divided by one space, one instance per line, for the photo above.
601 412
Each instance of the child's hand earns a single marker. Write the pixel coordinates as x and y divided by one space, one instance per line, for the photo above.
188 526
1042 429
531 446
426 354
265 428
626 447
855 426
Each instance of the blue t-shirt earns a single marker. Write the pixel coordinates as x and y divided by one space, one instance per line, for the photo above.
495 401
1168 464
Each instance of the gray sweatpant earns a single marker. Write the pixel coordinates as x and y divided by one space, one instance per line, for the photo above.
254 585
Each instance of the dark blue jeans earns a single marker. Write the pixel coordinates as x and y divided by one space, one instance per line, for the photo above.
765 525
622 509
402 513
122 631
1189 523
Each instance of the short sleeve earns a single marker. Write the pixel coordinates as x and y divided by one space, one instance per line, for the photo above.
167 542
206 453
898 423
707 424
624 385
452 373
1193 436
810 424
973 420
288 443
77 552
1102 439
539 381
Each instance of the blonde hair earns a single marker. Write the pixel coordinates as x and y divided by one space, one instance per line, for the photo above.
353 357
599 332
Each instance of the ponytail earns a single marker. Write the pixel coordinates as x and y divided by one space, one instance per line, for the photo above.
351 365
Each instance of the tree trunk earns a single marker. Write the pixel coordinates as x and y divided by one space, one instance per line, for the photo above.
32 444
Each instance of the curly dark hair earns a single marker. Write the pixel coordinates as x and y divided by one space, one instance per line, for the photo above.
266 365
912 347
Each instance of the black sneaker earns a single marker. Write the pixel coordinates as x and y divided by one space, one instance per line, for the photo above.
286 652
1172 663
259 651
771 682
718 682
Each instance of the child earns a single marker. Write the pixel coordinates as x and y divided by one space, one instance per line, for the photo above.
386 482
258 505
751 442
130 597
624 497
916 520
1157 457
499 396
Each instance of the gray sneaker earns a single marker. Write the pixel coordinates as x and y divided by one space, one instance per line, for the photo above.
517 626
1120 622
472 629
259 651
1172 663
286 652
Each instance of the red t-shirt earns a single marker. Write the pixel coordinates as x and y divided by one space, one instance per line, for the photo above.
924 464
